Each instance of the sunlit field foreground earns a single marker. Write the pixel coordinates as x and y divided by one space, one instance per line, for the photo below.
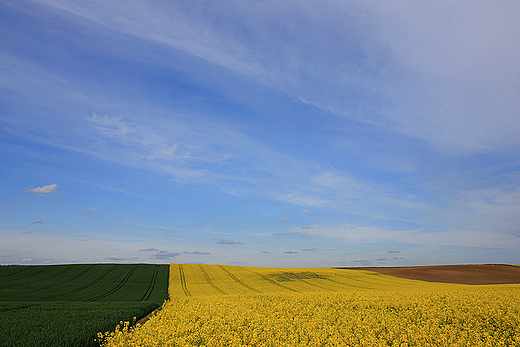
213 305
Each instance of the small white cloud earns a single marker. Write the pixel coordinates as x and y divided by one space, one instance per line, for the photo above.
307 211
228 242
43 190
37 222
113 257
162 229
362 262
27 259
166 255
297 199
290 252
93 209
285 219
282 234
309 250
16 203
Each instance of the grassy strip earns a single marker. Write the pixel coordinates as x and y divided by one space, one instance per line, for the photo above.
61 324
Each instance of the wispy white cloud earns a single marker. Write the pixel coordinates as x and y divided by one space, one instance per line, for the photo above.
360 233
475 237
498 202
439 61
460 71
329 189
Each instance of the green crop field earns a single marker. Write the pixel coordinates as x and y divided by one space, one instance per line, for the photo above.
66 305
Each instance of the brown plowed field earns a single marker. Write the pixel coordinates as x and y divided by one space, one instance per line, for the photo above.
462 274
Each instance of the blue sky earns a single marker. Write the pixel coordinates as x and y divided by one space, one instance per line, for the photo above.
294 133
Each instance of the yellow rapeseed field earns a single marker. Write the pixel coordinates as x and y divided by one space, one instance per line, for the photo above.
213 305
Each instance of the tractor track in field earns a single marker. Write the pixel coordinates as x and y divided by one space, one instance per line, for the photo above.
183 281
88 285
206 276
116 288
78 275
234 278
151 287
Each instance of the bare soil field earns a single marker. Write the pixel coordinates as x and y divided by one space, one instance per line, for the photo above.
462 274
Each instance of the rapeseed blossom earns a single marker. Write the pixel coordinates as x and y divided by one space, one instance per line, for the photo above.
323 307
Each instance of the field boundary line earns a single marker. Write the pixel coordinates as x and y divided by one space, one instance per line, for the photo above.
234 278
183 281
206 276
